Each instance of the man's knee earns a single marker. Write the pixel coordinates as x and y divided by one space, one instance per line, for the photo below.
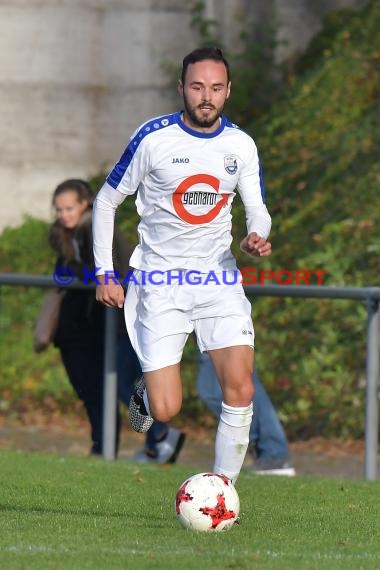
164 411
239 392
248 390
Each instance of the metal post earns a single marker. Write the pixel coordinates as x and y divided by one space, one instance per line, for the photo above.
372 405
110 386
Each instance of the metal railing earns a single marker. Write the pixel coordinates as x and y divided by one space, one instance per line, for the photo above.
369 294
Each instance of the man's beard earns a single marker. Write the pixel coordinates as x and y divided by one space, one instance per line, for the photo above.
201 122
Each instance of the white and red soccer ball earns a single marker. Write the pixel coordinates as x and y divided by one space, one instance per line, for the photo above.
207 502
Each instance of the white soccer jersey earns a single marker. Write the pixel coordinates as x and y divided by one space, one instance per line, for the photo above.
185 182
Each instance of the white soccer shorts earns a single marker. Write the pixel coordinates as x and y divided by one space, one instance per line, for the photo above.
160 317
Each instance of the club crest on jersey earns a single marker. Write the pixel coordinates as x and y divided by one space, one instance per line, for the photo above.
230 163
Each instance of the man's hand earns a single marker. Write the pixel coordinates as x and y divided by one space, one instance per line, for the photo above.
255 245
110 292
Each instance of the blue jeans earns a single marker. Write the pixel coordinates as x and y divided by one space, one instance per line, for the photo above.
267 436
128 371
84 367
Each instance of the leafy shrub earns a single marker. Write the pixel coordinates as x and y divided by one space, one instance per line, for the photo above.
27 378
319 147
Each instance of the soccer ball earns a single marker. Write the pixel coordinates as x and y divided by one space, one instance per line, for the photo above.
207 502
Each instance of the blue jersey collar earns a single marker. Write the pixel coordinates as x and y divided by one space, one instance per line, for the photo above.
194 133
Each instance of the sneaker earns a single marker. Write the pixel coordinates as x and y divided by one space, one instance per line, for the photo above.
140 420
168 449
143 458
273 468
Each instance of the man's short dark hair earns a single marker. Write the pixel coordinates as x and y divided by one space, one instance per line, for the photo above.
202 54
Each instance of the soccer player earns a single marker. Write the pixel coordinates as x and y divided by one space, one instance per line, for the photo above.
185 168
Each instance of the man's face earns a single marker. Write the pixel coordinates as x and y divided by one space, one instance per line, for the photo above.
205 92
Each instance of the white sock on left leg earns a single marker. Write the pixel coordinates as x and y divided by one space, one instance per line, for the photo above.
232 439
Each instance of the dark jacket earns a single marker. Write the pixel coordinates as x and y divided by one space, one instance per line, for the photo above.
82 318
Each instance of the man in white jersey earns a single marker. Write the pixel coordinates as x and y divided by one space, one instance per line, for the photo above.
185 168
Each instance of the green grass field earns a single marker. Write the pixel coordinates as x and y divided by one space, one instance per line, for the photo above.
82 513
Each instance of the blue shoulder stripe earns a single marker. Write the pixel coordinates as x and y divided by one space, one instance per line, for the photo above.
262 186
147 128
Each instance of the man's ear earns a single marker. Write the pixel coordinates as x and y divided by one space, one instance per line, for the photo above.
180 87
228 89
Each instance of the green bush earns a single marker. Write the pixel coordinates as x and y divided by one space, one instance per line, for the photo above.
320 146
27 379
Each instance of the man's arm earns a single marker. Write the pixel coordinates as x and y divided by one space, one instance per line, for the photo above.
109 292
258 221
252 192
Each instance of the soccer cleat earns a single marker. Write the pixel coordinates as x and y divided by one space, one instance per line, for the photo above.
140 420
142 457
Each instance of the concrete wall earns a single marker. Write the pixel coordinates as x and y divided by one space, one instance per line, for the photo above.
77 77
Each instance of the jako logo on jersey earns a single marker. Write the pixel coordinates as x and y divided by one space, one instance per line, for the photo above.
180 161
230 163
189 183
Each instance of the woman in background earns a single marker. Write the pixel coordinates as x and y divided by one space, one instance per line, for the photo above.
81 326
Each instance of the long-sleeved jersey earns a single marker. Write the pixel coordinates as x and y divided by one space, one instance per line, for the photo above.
185 182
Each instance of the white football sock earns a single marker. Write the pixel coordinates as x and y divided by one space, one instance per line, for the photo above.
232 438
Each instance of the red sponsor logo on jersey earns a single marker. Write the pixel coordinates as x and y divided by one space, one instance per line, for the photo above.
179 207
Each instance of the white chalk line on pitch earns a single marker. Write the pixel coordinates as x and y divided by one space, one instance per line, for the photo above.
271 554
